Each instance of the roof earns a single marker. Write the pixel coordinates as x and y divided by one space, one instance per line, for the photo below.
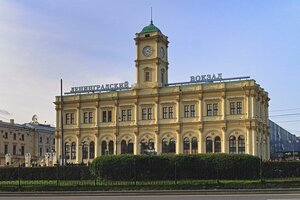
150 28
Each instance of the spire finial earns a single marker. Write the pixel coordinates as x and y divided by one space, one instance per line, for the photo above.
151 16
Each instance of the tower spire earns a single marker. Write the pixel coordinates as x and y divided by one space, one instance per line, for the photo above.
151 16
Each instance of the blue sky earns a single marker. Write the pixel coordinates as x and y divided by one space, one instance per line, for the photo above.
91 42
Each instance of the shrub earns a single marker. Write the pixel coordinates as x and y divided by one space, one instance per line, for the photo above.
281 169
171 167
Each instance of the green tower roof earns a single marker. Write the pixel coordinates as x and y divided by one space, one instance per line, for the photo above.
150 28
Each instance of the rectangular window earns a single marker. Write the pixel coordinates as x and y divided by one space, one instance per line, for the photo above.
149 113
72 118
170 112
47 140
22 150
209 109
192 110
123 115
22 137
129 114
232 108
6 149
67 118
41 139
165 112
215 109
109 116
41 151
90 117
147 76
144 114
104 116
186 111
14 149
85 117
239 108
15 136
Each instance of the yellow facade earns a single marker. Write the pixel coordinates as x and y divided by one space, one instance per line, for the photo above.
154 117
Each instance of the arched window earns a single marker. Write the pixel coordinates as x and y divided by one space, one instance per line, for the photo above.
123 147
165 146
186 145
241 147
104 148
172 146
84 151
92 150
67 150
111 147
73 150
168 146
143 146
209 145
194 145
217 144
232 144
130 147
151 144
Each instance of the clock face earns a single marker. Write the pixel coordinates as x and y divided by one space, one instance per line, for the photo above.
162 52
147 51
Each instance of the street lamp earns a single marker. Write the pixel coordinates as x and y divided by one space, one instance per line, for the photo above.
259 142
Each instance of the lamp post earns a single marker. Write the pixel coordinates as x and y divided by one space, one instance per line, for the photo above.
259 143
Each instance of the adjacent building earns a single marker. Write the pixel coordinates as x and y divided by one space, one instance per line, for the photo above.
283 143
208 114
31 140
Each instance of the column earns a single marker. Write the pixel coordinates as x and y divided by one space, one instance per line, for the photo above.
254 142
97 116
223 107
78 153
78 116
136 150
178 143
248 149
136 113
156 112
200 141
178 112
200 108
57 146
96 145
156 142
224 141
247 106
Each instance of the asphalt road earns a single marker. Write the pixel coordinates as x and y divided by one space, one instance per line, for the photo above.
161 197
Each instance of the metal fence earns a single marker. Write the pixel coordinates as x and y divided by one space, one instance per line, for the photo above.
74 177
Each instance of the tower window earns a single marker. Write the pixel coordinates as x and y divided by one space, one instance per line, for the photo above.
147 35
147 76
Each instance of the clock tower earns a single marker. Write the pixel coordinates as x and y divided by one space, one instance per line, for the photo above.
151 57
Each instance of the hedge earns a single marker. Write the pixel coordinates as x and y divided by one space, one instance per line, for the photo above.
46 173
175 167
281 169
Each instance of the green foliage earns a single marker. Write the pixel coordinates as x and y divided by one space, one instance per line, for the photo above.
46 173
281 169
175 167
